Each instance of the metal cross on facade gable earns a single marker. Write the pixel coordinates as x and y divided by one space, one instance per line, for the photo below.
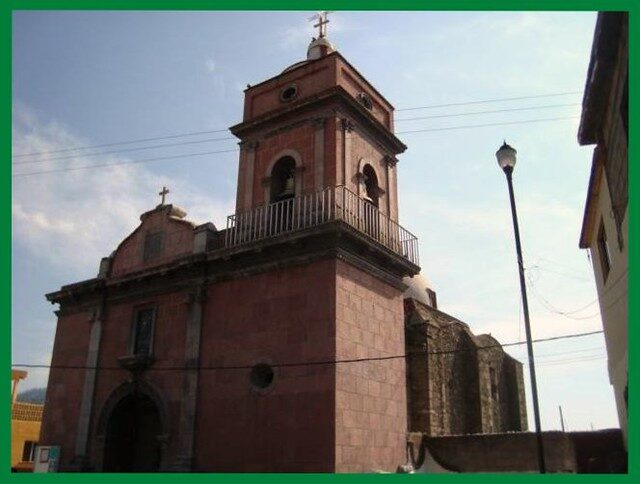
322 22
163 193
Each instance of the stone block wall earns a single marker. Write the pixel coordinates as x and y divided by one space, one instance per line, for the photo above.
281 316
64 389
371 419
459 383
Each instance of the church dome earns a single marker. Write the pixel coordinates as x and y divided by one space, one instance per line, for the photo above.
419 287
318 48
293 66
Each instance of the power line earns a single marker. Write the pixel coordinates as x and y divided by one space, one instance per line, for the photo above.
604 293
195 133
315 363
117 143
564 274
486 101
581 350
568 314
473 113
573 360
167 145
188 155
211 140
549 307
565 266
486 125
102 165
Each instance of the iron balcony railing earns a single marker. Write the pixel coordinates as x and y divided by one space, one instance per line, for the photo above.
332 203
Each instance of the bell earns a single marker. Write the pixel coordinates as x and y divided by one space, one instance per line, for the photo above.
289 188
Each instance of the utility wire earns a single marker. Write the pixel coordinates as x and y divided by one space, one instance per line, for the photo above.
486 101
187 155
562 265
131 162
568 314
549 307
574 360
473 113
118 143
604 293
486 125
564 274
315 363
211 140
581 350
166 145
195 133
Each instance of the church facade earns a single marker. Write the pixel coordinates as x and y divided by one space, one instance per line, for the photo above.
274 344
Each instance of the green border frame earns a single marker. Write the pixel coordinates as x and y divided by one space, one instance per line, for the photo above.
6 9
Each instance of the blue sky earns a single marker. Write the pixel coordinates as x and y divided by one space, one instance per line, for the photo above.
88 78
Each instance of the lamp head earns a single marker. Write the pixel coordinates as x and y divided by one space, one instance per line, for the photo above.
506 156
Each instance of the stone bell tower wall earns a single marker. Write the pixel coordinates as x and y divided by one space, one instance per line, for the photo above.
371 406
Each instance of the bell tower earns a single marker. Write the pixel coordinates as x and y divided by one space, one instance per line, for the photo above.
317 124
309 291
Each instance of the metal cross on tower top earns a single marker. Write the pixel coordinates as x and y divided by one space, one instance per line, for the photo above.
163 193
322 22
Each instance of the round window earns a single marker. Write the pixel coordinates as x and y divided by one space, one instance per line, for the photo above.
262 376
289 93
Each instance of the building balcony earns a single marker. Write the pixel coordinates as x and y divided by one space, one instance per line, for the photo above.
315 209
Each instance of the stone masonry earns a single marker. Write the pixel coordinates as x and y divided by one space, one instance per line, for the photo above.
459 383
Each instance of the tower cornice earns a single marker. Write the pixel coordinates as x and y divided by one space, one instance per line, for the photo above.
306 63
335 95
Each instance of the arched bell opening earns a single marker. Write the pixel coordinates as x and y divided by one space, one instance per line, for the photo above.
371 187
283 181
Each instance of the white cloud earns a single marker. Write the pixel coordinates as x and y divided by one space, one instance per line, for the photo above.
72 219
296 36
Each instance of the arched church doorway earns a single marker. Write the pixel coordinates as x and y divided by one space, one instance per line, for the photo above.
132 437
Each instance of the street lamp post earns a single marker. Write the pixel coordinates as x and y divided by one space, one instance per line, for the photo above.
506 156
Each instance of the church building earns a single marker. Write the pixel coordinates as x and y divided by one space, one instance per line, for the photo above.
275 343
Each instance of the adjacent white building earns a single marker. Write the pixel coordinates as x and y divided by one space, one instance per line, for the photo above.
605 226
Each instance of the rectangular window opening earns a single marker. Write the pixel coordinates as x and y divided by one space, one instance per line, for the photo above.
143 331
29 451
603 251
153 244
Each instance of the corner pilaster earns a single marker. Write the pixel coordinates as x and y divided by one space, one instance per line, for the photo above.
185 458
88 391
